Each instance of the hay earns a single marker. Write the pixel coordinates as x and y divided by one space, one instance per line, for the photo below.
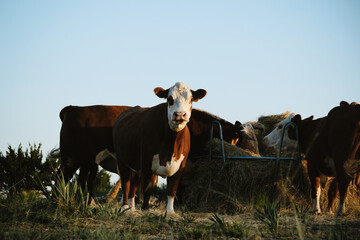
235 185
239 185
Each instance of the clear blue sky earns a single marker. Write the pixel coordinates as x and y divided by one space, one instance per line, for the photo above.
253 57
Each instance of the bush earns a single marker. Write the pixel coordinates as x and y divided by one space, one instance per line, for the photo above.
19 168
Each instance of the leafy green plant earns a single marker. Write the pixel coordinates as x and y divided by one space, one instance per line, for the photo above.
270 215
302 211
232 230
69 198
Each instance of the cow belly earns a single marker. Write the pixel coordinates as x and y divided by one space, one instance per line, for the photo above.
166 171
329 168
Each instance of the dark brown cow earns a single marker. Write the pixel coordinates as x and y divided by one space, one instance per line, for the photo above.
86 131
199 126
330 145
154 141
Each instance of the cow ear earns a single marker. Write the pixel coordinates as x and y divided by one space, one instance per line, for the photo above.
161 93
344 103
309 118
296 119
238 124
198 94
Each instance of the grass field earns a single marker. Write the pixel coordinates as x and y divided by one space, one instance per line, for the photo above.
29 215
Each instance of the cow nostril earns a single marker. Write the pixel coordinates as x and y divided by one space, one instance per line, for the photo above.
179 115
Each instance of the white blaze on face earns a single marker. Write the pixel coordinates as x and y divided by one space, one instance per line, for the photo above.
272 140
166 171
180 104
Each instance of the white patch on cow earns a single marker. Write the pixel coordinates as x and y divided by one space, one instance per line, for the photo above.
272 140
124 207
170 169
316 201
330 163
170 205
132 203
181 95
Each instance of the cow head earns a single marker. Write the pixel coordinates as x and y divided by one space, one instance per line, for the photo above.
179 100
300 123
272 140
239 134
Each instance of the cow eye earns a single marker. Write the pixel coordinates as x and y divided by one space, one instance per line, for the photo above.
170 100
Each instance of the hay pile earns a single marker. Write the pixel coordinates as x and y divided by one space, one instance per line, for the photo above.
239 185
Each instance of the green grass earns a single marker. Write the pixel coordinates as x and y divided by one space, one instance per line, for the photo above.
270 215
65 214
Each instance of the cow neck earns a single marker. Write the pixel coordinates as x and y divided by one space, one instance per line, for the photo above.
309 133
174 144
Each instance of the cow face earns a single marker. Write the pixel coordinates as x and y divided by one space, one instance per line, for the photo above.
272 140
179 100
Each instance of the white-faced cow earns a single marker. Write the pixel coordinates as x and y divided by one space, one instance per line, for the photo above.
85 131
330 145
154 141
199 127
272 140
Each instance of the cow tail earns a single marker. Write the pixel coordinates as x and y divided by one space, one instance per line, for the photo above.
54 154
352 167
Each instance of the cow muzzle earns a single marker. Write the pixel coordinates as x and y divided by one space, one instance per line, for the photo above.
179 116
179 121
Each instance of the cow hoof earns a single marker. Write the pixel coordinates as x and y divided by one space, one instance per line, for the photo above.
316 212
125 208
171 214
329 211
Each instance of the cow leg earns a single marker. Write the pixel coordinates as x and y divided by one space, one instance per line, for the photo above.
172 185
343 186
90 182
125 176
135 181
84 172
315 189
332 193
148 184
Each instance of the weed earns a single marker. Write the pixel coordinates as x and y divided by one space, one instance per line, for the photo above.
338 232
270 215
232 230
302 211
69 198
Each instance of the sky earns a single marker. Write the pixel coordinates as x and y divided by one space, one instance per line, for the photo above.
254 58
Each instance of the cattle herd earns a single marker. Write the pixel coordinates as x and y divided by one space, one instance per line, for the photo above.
140 144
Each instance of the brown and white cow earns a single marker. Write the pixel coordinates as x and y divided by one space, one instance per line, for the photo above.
249 143
199 127
154 141
272 140
85 131
330 145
